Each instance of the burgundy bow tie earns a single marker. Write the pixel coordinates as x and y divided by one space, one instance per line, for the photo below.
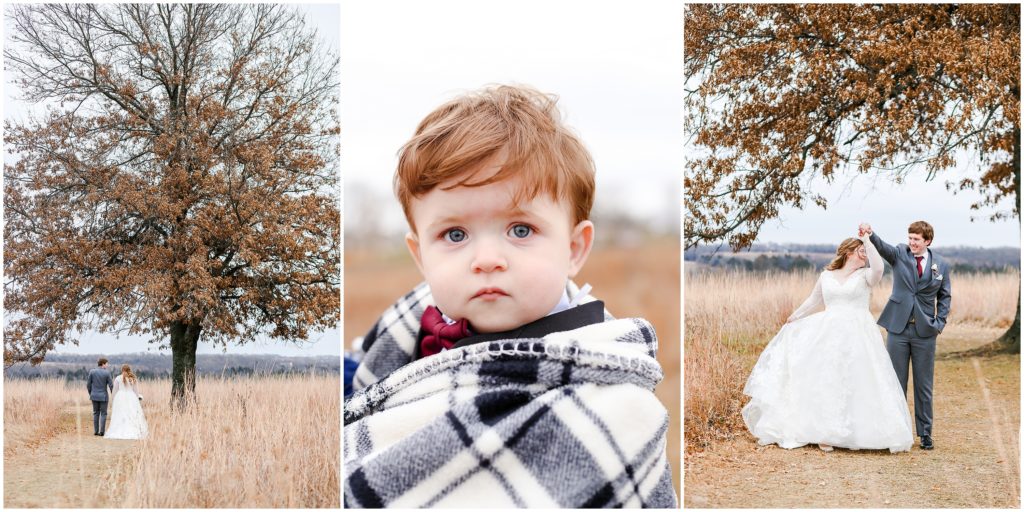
440 334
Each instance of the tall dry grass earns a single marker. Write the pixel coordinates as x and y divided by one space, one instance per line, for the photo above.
34 410
269 442
731 316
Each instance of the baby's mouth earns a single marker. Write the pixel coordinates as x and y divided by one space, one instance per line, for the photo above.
490 294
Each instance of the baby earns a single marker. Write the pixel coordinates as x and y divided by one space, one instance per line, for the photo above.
497 194
499 381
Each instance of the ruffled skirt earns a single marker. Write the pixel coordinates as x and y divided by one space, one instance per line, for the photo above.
828 379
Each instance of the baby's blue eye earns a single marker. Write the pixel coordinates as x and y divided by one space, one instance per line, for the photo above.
455 235
520 231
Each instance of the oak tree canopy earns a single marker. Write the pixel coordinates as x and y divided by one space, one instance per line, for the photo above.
778 93
182 181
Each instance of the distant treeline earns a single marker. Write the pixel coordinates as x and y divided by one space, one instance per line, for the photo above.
795 257
156 366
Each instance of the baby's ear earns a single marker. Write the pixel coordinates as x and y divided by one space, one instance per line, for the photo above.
580 241
413 243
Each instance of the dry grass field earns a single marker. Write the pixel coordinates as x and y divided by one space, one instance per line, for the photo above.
731 316
34 411
641 281
267 442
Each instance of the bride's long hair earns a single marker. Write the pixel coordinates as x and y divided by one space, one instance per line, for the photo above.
848 246
126 372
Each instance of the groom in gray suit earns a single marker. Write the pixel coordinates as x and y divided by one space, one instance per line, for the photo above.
98 384
915 315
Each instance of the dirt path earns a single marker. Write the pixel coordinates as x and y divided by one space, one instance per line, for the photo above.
976 462
70 469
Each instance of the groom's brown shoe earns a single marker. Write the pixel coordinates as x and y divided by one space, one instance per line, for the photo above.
926 443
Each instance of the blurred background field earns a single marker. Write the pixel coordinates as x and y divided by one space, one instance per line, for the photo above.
731 315
635 277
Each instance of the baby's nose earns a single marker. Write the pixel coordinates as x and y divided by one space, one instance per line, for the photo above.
488 258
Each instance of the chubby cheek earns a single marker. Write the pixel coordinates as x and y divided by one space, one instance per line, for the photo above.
440 274
546 280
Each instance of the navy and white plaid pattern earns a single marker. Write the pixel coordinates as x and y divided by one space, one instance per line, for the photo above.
391 342
567 420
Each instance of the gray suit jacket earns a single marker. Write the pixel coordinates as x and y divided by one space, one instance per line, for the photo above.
98 383
926 298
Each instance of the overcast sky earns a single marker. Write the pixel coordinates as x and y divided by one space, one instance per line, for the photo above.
890 208
324 18
615 66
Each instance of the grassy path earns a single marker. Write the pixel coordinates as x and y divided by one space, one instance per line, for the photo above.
71 469
976 462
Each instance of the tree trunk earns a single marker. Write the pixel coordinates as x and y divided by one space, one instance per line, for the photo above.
184 341
1010 340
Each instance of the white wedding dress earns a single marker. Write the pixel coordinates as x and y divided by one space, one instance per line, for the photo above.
826 377
127 420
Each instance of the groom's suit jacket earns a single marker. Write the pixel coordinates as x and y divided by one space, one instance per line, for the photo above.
926 298
98 383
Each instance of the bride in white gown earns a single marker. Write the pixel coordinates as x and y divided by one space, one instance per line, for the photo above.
127 421
826 377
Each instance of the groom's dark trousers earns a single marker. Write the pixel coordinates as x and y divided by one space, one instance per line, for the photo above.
909 348
99 415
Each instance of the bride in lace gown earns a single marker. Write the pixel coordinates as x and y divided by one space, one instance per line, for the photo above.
826 377
127 421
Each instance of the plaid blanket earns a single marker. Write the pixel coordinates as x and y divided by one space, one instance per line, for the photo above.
567 420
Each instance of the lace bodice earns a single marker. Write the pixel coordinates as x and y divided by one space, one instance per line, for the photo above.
832 292
852 293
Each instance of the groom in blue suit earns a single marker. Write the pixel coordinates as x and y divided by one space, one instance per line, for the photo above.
98 383
915 315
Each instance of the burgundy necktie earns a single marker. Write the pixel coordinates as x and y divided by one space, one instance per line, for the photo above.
919 269
440 334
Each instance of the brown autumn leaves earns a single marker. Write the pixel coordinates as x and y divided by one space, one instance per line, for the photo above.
778 93
184 175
